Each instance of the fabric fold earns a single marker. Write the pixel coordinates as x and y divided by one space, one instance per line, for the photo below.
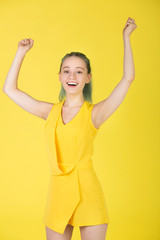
61 182
50 127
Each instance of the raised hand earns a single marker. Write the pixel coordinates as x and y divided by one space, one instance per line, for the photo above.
130 26
25 44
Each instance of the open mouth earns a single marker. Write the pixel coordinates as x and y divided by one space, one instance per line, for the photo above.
72 84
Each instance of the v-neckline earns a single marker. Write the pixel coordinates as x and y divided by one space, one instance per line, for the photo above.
64 124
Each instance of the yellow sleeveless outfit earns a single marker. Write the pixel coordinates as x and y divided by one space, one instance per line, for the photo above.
75 195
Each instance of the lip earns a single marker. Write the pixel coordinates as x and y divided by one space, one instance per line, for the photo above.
71 82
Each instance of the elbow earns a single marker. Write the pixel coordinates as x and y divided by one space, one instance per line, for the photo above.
3 89
7 89
130 79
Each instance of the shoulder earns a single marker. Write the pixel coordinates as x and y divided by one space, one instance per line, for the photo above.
92 108
53 108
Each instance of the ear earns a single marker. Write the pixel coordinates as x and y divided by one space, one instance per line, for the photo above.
89 77
60 77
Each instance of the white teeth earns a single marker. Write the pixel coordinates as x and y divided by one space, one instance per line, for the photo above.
72 83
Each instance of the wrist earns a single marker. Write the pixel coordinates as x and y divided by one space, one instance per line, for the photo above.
126 37
21 52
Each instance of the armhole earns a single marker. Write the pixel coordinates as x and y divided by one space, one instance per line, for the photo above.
49 115
90 119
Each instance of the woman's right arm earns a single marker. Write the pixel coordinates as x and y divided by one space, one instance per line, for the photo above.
39 108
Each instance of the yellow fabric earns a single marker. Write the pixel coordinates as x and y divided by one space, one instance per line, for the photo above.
75 195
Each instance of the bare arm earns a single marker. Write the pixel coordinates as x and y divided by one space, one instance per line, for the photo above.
24 100
104 109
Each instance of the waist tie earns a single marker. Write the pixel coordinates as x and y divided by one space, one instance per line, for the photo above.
79 165
88 164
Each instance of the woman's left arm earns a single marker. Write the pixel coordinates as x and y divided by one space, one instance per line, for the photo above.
104 109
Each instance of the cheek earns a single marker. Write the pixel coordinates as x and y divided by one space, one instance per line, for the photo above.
63 78
82 85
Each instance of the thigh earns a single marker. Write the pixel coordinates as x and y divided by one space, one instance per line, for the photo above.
52 235
94 232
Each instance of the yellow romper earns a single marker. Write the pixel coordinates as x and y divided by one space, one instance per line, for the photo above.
75 195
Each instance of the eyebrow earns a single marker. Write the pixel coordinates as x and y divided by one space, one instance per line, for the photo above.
76 67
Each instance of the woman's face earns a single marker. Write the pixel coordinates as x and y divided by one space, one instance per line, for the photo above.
74 71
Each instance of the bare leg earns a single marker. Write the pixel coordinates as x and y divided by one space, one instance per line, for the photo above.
52 235
95 232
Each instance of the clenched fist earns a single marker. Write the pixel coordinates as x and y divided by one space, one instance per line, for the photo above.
130 26
26 44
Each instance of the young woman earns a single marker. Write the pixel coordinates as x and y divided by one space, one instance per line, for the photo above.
75 196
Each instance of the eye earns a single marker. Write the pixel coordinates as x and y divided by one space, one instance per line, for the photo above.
67 71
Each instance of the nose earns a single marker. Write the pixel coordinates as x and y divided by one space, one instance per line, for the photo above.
72 75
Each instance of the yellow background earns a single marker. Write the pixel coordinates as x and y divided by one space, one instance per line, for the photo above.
126 154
